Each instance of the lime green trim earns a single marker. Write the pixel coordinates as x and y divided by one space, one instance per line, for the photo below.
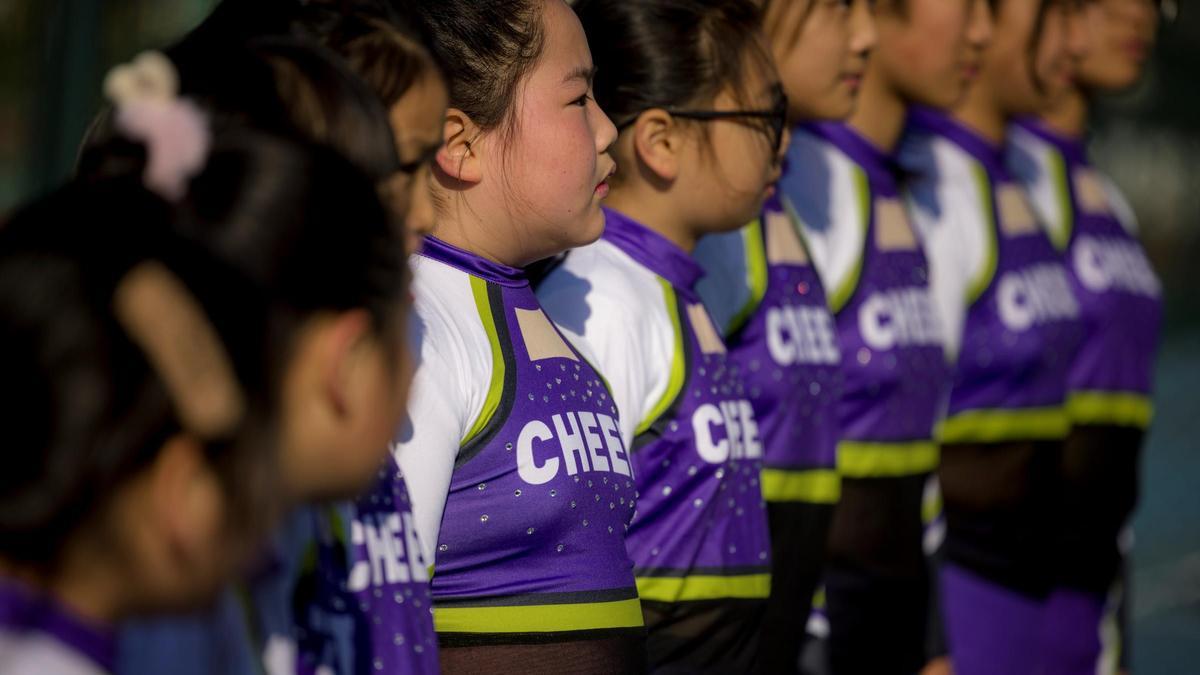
980 282
818 599
990 426
675 382
841 294
797 224
756 274
814 486
336 526
931 506
858 459
309 561
479 290
700 587
1109 407
539 618
1061 237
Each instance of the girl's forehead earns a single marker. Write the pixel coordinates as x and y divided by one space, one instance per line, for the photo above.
565 50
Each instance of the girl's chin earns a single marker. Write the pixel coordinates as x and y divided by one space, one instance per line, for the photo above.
593 226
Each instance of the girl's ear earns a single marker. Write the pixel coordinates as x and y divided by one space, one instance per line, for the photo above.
339 352
459 159
657 140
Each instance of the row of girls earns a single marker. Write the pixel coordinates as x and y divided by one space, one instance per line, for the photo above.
849 248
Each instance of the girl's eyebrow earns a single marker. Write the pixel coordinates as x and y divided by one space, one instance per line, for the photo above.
585 73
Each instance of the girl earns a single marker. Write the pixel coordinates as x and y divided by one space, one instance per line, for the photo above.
387 53
703 118
1012 324
765 295
846 192
380 43
521 483
282 83
1111 376
153 444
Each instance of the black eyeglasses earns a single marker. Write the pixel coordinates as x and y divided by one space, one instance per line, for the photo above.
776 116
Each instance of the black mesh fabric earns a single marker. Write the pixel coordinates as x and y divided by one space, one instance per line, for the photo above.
1000 502
1099 490
711 636
799 536
598 654
877 582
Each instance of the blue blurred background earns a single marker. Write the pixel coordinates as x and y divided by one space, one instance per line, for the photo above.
54 53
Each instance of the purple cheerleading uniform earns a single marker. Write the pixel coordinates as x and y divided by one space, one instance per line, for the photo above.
763 291
1019 329
1111 377
38 636
366 606
893 365
698 462
699 539
1021 326
895 378
1110 385
532 540
782 337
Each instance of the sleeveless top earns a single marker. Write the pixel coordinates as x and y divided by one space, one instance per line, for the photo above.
539 490
764 293
1017 321
700 531
365 605
895 375
1120 298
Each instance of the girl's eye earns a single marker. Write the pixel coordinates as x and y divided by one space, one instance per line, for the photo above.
582 101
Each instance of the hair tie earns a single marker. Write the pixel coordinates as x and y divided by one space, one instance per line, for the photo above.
174 131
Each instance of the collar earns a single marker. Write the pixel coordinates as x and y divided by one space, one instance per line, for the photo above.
983 150
1072 148
651 250
879 166
23 611
472 264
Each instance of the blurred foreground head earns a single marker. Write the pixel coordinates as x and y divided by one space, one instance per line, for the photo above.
133 445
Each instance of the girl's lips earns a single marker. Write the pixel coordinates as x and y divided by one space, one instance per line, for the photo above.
602 186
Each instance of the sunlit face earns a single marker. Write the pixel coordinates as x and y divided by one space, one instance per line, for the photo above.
729 168
416 121
1028 69
1120 36
929 50
821 47
551 171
